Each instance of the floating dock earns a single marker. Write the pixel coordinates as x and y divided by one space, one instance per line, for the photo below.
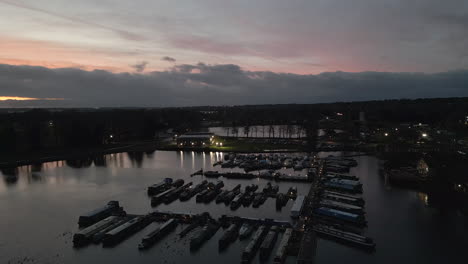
298 206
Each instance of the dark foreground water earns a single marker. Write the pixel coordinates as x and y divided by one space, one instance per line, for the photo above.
39 211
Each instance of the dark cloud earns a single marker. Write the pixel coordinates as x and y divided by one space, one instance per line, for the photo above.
204 84
169 59
140 67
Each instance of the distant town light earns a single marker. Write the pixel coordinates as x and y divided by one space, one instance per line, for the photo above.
396 128
386 134
111 136
424 134
459 185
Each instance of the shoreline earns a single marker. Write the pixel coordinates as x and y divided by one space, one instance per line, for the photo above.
42 157
23 159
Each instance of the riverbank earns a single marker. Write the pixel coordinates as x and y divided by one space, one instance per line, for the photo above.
20 159
230 145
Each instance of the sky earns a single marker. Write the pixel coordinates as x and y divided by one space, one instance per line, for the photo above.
177 53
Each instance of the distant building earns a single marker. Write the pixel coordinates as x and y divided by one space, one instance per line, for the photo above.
195 139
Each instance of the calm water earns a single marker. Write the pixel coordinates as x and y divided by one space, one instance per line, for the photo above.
40 210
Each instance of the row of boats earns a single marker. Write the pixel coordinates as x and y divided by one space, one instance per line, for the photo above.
111 230
205 192
338 199
263 239
265 174
339 204
252 162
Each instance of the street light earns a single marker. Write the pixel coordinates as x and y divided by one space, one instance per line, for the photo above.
424 135
386 134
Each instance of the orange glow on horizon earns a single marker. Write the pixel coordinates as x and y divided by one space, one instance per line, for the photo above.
19 98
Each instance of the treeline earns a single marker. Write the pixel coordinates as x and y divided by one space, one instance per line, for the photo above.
440 111
40 129
37 129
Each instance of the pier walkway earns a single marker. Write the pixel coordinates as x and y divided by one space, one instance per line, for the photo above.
308 245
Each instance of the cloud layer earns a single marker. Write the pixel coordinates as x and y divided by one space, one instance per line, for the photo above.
224 84
295 36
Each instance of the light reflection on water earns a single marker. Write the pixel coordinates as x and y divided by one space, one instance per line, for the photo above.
39 211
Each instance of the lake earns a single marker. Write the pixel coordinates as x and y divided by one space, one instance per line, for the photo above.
39 212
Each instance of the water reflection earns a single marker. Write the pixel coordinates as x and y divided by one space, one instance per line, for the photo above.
36 177
10 175
100 161
136 158
36 167
423 197
400 220
80 163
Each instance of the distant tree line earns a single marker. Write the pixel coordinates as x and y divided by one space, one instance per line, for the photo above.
40 129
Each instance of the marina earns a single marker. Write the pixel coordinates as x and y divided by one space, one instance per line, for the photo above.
254 132
201 228
191 221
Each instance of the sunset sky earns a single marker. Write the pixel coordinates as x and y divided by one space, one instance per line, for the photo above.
302 38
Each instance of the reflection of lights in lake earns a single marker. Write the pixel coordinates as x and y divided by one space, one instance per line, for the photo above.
193 160
424 198
181 159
